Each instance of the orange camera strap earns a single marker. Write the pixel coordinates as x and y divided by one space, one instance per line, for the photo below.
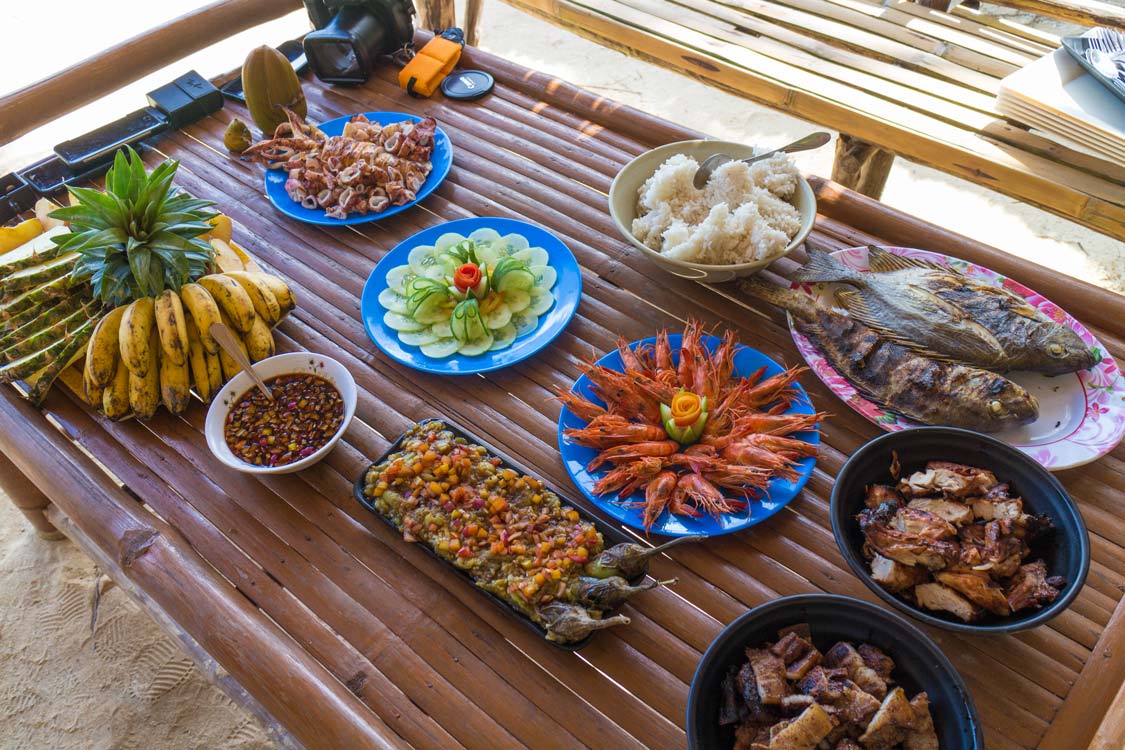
430 65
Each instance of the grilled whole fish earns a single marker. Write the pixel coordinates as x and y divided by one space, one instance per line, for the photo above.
943 314
918 387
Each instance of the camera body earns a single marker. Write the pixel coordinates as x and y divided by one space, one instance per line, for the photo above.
351 34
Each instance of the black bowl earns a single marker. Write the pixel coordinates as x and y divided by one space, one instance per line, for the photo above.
1066 550
919 664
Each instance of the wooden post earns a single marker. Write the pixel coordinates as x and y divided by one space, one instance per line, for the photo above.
28 498
436 14
861 166
472 21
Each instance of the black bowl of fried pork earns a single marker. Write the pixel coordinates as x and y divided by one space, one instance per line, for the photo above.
826 671
960 530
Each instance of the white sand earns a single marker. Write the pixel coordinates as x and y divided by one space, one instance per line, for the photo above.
125 685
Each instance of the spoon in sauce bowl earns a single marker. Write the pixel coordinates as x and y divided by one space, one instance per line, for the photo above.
713 162
226 339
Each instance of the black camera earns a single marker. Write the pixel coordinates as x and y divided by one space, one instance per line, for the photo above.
351 34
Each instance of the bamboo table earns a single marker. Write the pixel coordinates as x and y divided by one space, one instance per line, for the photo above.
323 621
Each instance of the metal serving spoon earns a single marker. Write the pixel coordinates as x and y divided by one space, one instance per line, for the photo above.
225 339
711 163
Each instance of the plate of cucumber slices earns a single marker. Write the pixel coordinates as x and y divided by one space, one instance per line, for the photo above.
471 295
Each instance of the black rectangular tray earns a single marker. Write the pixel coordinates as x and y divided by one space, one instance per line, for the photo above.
610 535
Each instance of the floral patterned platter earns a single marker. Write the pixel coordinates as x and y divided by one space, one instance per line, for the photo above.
1081 415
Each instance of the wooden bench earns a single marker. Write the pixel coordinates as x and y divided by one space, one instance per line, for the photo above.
894 77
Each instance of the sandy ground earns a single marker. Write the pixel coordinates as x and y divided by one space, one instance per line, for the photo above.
121 684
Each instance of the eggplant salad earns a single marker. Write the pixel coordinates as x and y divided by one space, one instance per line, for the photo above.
789 695
513 536
953 538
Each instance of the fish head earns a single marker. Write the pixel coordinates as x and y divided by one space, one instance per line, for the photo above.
1007 404
1064 351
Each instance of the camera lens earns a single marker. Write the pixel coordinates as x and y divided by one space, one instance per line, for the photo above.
345 50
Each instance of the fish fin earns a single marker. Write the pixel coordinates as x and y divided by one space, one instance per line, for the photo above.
823 267
884 261
858 309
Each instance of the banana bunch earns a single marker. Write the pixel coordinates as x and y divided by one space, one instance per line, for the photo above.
154 350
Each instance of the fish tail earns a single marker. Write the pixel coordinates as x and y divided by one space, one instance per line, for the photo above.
823 267
801 305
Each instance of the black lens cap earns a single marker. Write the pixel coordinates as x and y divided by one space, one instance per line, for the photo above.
467 85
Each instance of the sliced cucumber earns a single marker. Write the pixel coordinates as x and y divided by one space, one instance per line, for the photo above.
417 338
503 338
487 253
441 348
533 256
401 322
477 346
517 300
545 276
442 330
517 279
524 322
541 301
399 276
466 322
514 243
393 301
432 308
484 236
419 255
497 318
448 240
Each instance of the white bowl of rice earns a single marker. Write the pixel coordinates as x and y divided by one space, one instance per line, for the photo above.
746 217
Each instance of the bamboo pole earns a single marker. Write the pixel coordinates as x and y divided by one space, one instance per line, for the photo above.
1082 12
23 110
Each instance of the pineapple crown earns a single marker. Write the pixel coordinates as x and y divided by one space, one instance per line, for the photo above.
140 236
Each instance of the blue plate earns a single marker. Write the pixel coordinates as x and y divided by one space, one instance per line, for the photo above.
779 491
441 159
567 291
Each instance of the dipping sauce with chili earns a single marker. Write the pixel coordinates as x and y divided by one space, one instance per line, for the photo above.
304 415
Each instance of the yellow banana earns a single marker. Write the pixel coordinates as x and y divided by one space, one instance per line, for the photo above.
204 310
104 351
171 327
281 291
137 323
197 357
175 385
144 390
248 261
232 298
230 367
259 340
115 397
215 373
265 303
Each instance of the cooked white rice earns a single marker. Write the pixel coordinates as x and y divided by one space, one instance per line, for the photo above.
742 214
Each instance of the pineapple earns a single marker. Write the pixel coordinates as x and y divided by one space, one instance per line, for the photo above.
139 237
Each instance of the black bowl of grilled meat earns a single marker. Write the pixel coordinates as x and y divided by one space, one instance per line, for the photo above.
960 530
826 671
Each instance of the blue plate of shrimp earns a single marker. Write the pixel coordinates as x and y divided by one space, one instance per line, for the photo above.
707 490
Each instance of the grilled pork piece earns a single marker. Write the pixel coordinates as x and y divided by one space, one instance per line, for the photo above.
877 494
989 509
844 656
731 710
923 524
874 657
903 547
847 744
977 587
956 513
950 480
891 722
942 598
854 706
752 737
992 547
804 732
747 687
795 704
769 675
895 576
921 736
1033 588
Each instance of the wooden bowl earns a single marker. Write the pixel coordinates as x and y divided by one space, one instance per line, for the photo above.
1066 550
623 208
919 664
